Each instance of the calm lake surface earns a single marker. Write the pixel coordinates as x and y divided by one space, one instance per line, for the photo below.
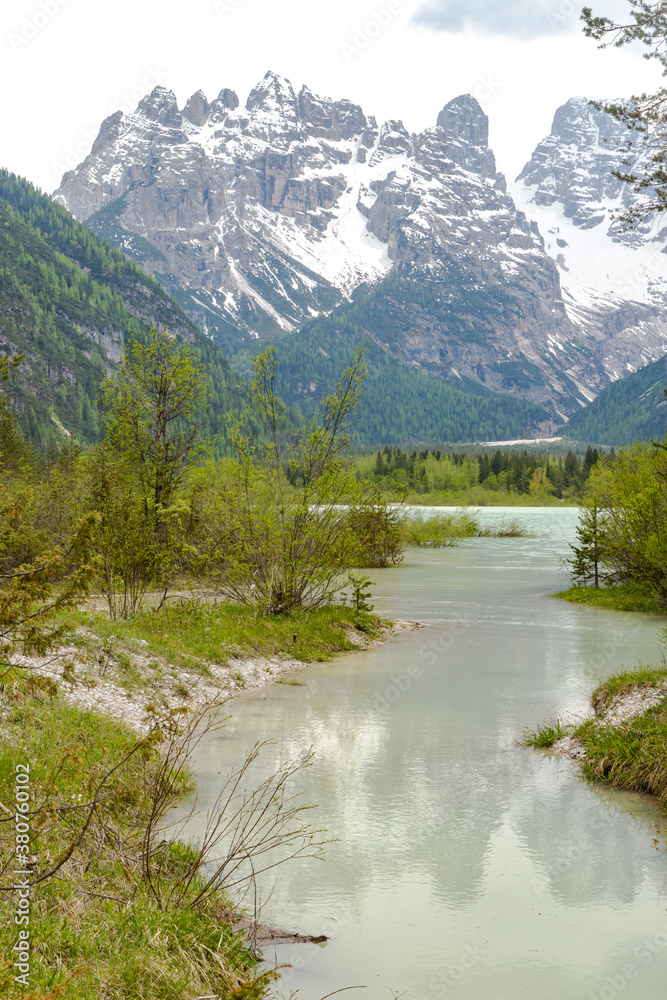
466 866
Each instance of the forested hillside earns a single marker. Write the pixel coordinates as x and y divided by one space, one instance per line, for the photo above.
67 301
633 409
400 404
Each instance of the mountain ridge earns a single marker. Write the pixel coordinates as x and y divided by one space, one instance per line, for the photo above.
306 199
262 217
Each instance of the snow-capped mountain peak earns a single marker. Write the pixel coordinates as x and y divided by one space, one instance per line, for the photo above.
610 278
160 106
260 216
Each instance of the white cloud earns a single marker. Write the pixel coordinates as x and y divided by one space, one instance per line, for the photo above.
57 88
523 19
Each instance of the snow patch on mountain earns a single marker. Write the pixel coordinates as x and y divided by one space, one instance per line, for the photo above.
595 269
614 283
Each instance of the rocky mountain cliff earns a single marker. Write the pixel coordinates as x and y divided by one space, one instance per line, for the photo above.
261 216
614 282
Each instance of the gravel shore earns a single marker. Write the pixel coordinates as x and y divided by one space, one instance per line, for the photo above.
128 684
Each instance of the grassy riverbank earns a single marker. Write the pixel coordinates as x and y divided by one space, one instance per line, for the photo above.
126 916
191 653
195 632
620 598
625 743
478 497
114 920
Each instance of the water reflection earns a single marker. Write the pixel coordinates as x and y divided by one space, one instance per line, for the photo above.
451 836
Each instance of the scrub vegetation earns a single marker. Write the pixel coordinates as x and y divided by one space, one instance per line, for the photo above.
120 905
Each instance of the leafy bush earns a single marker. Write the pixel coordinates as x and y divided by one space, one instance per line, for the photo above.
630 500
378 529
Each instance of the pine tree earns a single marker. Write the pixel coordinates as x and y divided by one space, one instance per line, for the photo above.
589 554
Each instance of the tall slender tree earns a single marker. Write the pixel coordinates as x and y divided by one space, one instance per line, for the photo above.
589 553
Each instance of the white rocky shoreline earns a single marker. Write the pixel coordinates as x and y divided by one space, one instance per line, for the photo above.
92 678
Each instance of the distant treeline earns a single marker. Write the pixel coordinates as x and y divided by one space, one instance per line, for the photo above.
523 473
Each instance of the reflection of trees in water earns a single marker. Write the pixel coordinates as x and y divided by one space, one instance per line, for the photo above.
586 848
402 805
434 813
423 800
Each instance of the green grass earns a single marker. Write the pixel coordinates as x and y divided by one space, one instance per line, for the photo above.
195 633
439 530
624 682
632 756
507 528
623 597
97 929
110 922
446 530
545 736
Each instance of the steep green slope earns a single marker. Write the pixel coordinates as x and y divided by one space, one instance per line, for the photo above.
399 404
633 409
67 300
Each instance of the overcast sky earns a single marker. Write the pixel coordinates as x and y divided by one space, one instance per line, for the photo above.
67 64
